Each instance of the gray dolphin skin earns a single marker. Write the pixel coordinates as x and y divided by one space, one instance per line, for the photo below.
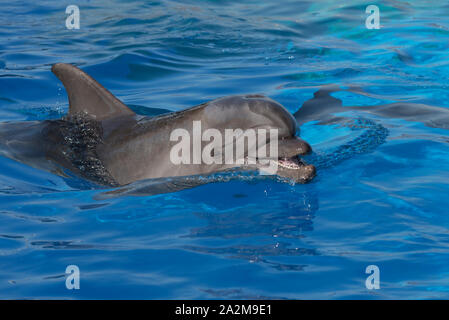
104 141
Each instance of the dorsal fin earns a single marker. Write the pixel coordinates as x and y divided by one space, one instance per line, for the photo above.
88 96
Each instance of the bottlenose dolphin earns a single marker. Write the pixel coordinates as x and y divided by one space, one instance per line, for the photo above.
104 141
323 105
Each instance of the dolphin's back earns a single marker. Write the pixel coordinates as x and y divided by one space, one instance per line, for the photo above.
56 144
74 143
23 141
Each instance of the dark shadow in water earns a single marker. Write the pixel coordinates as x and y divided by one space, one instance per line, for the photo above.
61 245
8 236
258 253
239 294
30 217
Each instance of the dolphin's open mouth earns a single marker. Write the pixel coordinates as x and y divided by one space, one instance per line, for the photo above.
292 163
296 169
289 163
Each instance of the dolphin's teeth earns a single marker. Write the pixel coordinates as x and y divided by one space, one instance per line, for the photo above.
290 163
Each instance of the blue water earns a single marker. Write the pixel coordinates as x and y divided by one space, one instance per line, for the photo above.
386 206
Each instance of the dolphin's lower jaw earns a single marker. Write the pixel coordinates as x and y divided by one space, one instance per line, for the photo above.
292 168
296 169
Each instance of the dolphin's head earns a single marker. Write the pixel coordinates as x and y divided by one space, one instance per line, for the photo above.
260 112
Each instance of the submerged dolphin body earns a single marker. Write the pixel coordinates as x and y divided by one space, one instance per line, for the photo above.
104 141
323 105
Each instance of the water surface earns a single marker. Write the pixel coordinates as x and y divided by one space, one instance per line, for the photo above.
384 205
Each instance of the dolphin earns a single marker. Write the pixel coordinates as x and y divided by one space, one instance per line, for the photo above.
323 106
104 141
